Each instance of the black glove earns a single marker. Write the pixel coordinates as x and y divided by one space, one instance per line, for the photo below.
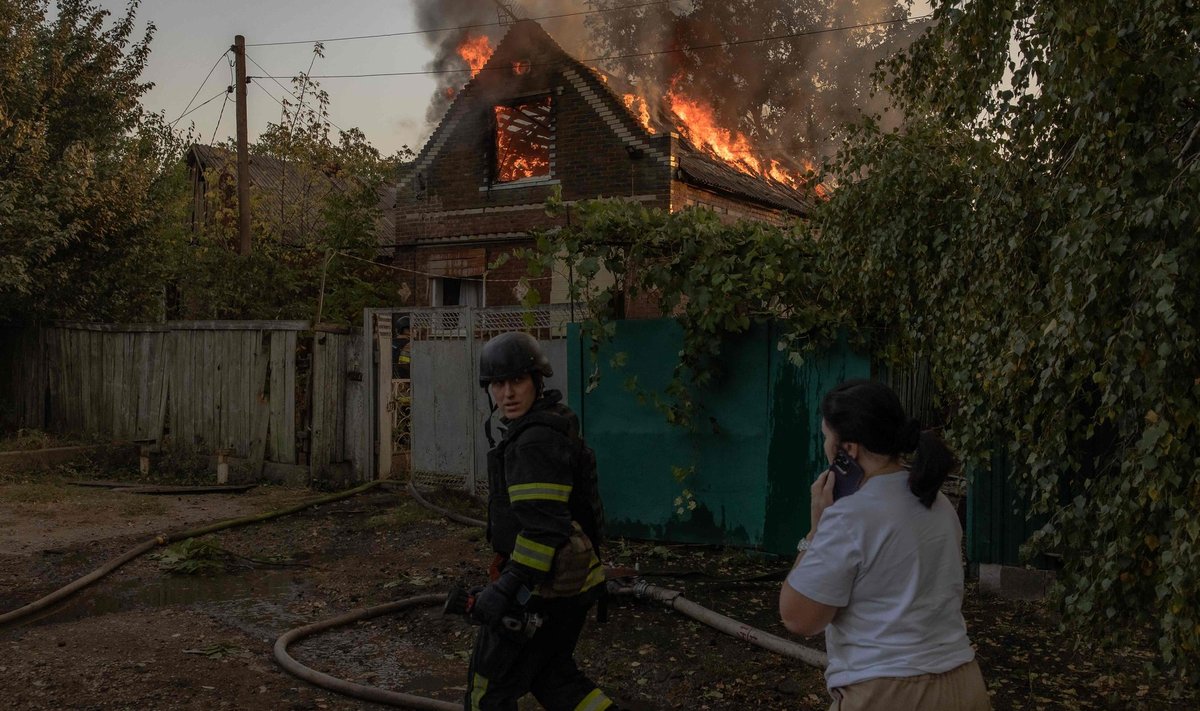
493 601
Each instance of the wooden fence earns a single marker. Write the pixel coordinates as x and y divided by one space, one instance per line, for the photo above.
267 392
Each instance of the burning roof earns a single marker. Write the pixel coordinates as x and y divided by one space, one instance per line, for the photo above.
708 155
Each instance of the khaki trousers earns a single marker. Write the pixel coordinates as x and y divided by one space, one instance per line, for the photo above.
960 689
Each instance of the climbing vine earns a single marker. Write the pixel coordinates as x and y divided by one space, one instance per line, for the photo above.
1031 232
717 278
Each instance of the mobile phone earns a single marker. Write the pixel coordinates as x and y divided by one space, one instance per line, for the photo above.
847 475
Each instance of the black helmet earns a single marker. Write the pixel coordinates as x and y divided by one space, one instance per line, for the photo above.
511 355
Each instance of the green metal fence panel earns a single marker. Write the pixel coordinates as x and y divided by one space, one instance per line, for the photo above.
755 445
997 520
796 454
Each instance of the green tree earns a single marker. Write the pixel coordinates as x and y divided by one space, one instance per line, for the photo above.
715 277
1033 232
81 161
788 95
314 235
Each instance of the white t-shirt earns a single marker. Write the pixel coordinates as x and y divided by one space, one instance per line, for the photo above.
894 568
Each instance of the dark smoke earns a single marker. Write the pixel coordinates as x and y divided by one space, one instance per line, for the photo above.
788 96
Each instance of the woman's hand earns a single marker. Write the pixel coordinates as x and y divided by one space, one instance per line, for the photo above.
821 498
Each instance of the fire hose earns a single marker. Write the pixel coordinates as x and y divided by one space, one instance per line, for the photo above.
675 600
640 589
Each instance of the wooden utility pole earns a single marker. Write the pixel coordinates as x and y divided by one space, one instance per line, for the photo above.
243 150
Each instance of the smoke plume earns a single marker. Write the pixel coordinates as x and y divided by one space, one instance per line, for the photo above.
787 94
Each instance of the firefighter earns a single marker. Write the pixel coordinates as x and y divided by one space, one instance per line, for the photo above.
544 513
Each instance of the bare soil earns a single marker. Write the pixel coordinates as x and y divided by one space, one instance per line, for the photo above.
143 638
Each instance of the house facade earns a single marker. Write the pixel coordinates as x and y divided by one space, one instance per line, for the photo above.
532 121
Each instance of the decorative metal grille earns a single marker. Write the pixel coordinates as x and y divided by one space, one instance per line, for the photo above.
453 322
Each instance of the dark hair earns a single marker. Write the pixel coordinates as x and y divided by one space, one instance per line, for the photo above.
871 415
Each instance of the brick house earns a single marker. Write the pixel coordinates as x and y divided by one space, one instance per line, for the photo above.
533 120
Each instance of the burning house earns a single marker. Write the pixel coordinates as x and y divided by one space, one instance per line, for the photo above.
533 119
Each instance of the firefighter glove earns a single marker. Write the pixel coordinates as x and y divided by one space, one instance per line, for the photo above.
493 601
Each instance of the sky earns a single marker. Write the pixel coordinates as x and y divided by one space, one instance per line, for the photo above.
192 35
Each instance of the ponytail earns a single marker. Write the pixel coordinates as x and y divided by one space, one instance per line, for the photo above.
870 413
930 466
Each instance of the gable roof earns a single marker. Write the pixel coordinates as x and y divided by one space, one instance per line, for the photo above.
299 190
692 165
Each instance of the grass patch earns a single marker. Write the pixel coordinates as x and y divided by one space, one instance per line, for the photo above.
406 512
26 439
193 556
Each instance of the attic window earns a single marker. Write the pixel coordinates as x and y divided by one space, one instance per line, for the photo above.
524 139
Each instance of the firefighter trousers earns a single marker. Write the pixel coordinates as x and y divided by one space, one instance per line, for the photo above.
506 665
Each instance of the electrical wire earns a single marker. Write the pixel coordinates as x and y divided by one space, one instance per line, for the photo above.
228 91
634 55
222 92
281 104
460 27
199 88
221 115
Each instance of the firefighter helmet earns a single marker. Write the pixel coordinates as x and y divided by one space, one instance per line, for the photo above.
511 355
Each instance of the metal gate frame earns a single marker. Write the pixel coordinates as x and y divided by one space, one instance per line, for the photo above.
452 323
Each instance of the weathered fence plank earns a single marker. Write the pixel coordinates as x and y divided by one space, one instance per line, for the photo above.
289 412
261 403
210 385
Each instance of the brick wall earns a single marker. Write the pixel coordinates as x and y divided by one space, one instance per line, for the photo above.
729 208
450 214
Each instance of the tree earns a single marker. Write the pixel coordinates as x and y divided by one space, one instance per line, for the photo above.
80 159
315 235
1033 232
788 95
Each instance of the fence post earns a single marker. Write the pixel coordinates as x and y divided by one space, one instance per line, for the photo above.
383 339
472 393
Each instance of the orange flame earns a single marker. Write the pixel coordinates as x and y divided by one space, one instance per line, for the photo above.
522 142
697 123
475 50
637 105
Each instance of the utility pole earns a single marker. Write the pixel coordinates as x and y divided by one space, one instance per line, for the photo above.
243 150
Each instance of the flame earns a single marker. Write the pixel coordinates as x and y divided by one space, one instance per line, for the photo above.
637 105
522 150
697 123
475 50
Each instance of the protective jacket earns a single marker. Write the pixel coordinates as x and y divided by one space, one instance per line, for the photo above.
544 510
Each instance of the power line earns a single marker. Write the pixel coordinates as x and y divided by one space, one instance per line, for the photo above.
228 91
282 105
223 92
219 117
281 86
676 50
206 78
460 27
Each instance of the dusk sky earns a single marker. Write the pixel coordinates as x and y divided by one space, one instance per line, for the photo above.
192 35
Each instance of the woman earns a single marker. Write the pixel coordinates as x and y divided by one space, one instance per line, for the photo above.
880 572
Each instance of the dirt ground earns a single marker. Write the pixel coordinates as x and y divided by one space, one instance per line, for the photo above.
144 638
